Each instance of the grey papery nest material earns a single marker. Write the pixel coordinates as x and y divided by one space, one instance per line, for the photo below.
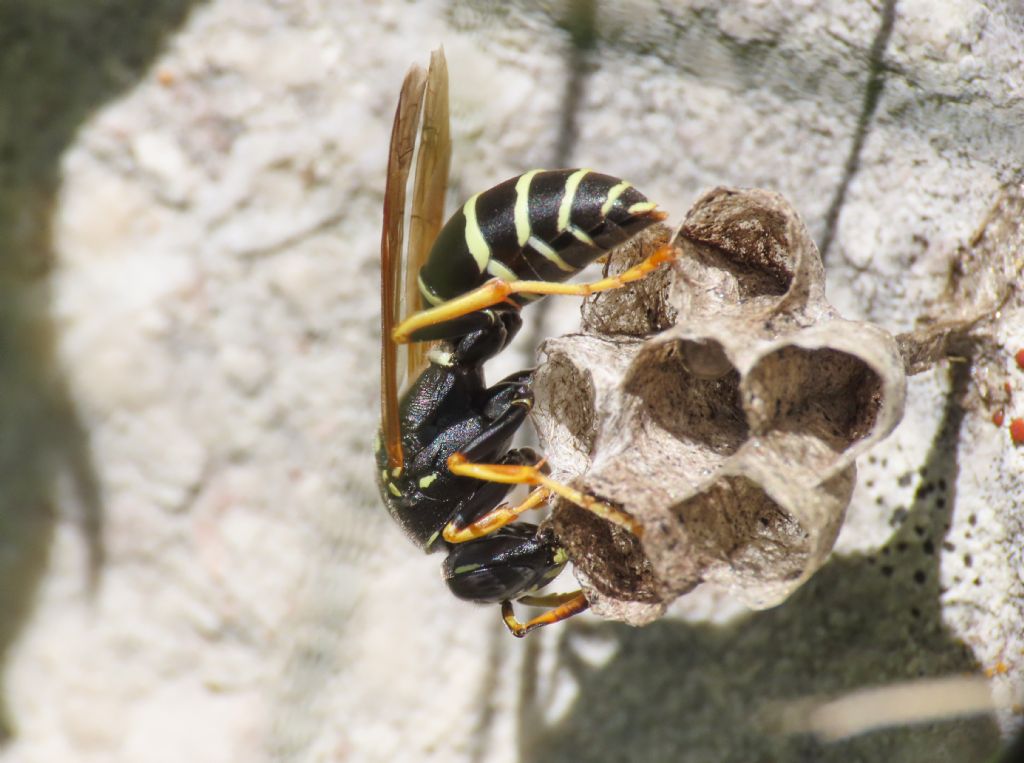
722 403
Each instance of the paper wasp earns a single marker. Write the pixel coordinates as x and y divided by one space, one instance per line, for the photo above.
443 463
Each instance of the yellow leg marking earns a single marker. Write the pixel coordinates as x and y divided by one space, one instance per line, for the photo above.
532 475
496 519
497 290
573 605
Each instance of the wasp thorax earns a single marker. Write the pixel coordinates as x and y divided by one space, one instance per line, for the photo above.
726 403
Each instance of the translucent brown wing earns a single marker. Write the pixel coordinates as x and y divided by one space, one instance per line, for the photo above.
403 136
429 187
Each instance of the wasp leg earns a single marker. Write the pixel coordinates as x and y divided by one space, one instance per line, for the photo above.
482 500
548 599
497 291
513 390
508 404
456 532
509 474
461 324
567 606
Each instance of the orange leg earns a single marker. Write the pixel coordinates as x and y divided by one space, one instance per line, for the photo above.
548 599
567 605
532 475
496 290
496 518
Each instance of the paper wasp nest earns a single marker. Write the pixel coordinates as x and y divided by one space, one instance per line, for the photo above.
722 403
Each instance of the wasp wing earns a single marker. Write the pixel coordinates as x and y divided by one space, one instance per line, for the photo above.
403 136
429 187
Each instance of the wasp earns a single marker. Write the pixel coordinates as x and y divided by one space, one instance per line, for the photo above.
443 461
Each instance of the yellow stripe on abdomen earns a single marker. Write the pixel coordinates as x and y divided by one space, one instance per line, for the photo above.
522 208
500 270
613 194
475 241
565 209
545 250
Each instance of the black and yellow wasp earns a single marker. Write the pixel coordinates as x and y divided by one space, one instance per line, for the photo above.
443 463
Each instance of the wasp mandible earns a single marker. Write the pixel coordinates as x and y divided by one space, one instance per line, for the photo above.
443 463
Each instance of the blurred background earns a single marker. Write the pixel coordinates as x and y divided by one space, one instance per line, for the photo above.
194 562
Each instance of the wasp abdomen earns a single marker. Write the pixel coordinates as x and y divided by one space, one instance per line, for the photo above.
542 225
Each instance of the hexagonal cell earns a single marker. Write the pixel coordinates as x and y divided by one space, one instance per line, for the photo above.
825 393
750 242
611 557
734 522
569 390
700 408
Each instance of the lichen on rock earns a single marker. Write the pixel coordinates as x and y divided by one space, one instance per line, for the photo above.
722 403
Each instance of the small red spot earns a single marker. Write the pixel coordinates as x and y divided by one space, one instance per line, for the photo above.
1019 357
1017 431
998 418
1007 388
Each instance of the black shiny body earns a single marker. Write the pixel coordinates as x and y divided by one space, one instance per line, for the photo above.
450 409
